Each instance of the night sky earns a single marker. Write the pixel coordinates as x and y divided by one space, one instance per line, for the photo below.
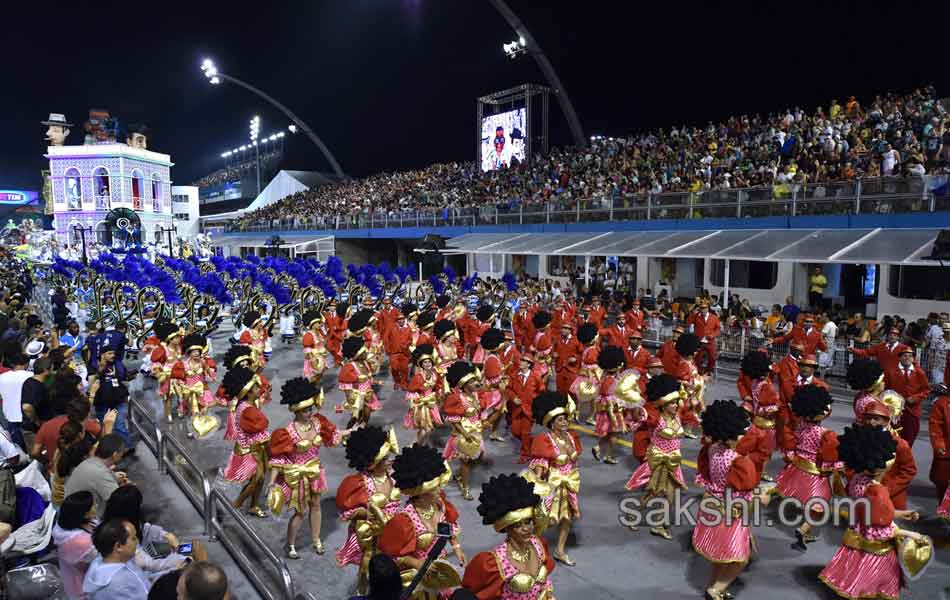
391 84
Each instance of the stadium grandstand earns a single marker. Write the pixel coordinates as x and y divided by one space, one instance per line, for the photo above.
768 156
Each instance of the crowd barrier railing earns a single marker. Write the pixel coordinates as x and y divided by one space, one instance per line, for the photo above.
209 502
885 195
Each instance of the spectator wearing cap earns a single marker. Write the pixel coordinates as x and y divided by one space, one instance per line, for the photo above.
11 391
806 334
910 381
886 352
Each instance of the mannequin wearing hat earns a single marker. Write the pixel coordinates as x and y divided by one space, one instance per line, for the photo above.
567 357
193 372
910 381
420 474
867 565
368 498
163 358
811 455
397 343
586 386
661 473
521 566
463 410
554 466
494 380
424 394
314 346
297 477
248 461
903 468
523 385
57 129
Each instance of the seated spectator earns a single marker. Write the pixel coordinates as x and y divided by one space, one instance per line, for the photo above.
126 504
113 575
47 438
95 474
72 535
202 580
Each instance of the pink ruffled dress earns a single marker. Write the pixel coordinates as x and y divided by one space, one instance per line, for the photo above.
793 481
243 463
944 509
665 441
853 573
724 542
351 553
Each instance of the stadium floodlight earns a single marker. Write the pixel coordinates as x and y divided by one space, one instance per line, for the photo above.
265 140
292 128
513 49
281 134
243 148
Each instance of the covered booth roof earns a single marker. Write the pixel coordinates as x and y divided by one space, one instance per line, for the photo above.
302 243
864 246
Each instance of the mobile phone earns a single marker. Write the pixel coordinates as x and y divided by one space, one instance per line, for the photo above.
184 549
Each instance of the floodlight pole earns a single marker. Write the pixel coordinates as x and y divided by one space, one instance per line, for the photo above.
297 121
547 68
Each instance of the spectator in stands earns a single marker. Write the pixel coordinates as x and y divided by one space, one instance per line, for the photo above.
11 391
109 392
791 310
816 289
203 580
72 535
125 504
35 398
113 575
95 474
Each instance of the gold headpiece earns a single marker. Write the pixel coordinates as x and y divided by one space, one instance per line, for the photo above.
515 516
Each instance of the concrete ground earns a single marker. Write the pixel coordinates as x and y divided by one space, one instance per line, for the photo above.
612 561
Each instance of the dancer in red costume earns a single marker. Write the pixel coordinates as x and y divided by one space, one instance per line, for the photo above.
314 346
867 564
463 409
725 543
609 408
163 359
368 498
521 566
255 335
910 381
248 461
192 373
362 325
637 356
494 380
446 345
811 455
902 470
866 377
398 344
661 472
523 386
297 478
554 466
542 346
338 326
356 381
939 429
424 394
644 431
682 366
762 401
420 474
567 357
586 386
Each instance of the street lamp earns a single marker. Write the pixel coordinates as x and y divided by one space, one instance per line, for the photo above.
215 77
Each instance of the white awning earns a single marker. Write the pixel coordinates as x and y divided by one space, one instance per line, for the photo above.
862 246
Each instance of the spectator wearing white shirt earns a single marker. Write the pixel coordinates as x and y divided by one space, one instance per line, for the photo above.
11 391
829 331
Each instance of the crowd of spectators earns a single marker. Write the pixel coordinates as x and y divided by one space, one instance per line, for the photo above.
234 172
892 135
64 443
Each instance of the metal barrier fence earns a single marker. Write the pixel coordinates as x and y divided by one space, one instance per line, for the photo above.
209 502
886 195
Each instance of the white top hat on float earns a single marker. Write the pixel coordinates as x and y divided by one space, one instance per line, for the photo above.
56 119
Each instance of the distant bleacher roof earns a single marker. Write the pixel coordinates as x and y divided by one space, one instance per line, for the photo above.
223 206
286 183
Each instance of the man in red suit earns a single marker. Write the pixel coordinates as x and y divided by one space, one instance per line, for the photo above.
386 318
887 352
634 317
521 390
910 381
597 314
940 441
806 334
521 323
397 342
562 314
637 356
706 327
667 352
904 468
787 371
567 357
616 334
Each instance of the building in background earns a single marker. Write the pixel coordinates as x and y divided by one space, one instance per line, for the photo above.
185 205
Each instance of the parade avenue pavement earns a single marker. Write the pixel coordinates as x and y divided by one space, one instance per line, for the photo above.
612 560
